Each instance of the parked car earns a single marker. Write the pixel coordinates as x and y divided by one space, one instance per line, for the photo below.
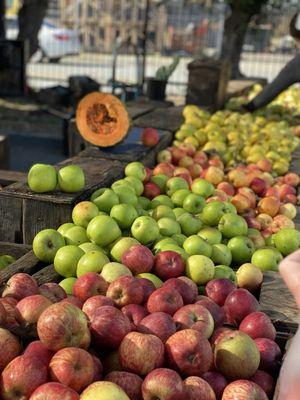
54 42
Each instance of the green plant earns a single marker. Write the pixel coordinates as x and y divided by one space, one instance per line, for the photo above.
163 73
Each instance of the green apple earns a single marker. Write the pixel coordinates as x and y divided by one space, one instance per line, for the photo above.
176 183
3 264
103 230
120 246
103 390
161 181
66 260
151 277
163 241
76 235
136 184
168 226
88 246
92 261
124 215
174 247
196 245
221 254
140 211
179 196
67 284
190 225
200 269
225 272
163 212
137 170
62 229
193 203
8 259
266 259
202 188
231 225
42 178
84 212
242 249
126 194
161 199
287 240
145 229
212 212
106 199
211 235
178 211
143 202
97 193
229 208
71 179
114 270
180 238
46 243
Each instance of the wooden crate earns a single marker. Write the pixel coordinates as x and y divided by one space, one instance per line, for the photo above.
24 213
131 149
9 177
169 119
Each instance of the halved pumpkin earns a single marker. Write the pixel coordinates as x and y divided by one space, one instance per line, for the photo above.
102 119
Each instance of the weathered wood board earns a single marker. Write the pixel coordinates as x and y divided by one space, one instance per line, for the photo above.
169 119
8 177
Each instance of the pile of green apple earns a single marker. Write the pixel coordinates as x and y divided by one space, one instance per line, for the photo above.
6 260
164 213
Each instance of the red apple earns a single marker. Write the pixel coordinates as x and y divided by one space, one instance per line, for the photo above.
63 325
130 383
290 198
164 168
150 137
73 367
197 388
259 186
125 290
217 381
201 158
53 291
187 298
164 299
151 190
218 290
159 324
3 314
240 303
98 369
269 205
141 353
264 165
189 352
177 154
195 170
265 381
36 350
135 313
108 327
227 188
11 347
258 325
216 311
243 389
270 354
272 191
88 285
241 203
111 362
252 222
138 259
72 300
168 264
21 377
54 390
12 314
292 179
148 288
92 304
285 190
19 286
163 384
247 192
196 317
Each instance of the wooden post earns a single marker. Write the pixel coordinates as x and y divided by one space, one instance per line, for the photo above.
4 152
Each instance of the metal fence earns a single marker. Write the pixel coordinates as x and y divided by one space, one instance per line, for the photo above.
107 27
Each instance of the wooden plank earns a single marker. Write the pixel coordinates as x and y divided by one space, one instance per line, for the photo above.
238 87
11 218
8 177
13 249
4 152
47 274
169 119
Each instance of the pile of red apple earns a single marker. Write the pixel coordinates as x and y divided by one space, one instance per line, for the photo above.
129 340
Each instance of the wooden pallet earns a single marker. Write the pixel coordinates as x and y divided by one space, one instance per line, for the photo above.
24 213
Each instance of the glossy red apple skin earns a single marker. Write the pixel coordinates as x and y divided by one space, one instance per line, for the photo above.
140 353
159 324
218 290
168 264
12 347
88 285
151 190
19 286
54 390
12 316
3 314
195 316
258 325
92 304
197 388
150 137
265 381
163 384
216 311
166 300
244 390
129 382
125 290
239 304
217 381
164 168
189 353
184 288
70 299
73 367
135 313
270 355
148 288
53 291
192 285
98 369
138 259
36 350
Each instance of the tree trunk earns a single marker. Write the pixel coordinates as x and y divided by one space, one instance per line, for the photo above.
233 39
2 19
31 15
